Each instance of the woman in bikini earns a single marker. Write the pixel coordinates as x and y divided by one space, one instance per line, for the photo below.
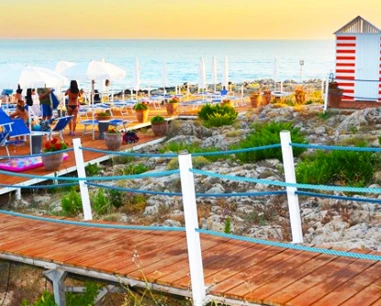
72 106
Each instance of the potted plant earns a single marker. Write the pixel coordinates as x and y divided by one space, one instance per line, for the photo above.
159 126
172 105
335 93
53 158
255 99
266 97
113 138
104 115
300 95
227 102
141 109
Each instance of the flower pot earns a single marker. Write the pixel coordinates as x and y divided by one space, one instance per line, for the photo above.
52 162
334 97
113 141
255 101
300 98
230 103
160 128
266 98
171 108
142 115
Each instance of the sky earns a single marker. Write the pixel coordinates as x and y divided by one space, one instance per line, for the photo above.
180 19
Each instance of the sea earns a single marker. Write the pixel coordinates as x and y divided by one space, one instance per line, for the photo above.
248 59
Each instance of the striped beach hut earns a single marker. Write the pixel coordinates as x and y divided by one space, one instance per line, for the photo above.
358 61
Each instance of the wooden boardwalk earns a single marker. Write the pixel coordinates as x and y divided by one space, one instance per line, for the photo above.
234 271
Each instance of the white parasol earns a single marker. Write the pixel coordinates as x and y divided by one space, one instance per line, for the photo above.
214 73
164 76
201 75
225 79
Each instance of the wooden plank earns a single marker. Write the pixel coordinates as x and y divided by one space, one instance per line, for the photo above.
221 249
299 279
367 296
332 280
265 272
344 291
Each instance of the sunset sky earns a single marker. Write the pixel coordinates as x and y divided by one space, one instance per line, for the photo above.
191 19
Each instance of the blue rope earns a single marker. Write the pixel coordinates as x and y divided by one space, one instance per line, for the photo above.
35 155
283 184
339 148
95 178
291 246
216 195
328 196
169 155
40 186
272 146
97 225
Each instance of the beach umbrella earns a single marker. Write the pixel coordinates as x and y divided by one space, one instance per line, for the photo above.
62 65
94 70
29 77
201 75
164 76
214 72
225 78
137 76
275 71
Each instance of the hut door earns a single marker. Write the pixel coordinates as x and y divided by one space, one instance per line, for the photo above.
367 67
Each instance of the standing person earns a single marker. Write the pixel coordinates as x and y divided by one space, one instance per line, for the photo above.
18 95
46 104
73 105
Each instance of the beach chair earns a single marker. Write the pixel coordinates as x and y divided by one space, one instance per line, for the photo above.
58 128
17 128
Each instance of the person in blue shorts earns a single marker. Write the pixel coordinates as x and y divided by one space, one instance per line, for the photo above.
46 104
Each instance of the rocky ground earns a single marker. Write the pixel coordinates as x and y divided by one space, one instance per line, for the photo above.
326 222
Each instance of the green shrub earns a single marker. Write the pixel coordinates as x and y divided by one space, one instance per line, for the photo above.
197 162
134 203
100 202
228 228
178 147
336 167
217 115
71 204
72 299
132 169
92 169
115 197
267 134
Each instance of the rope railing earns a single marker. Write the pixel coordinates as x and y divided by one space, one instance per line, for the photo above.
96 225
131 154
285 184
336 197
291 246
336 148
36 154
216 195
92 178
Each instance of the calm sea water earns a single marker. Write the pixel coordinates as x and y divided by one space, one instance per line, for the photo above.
248 60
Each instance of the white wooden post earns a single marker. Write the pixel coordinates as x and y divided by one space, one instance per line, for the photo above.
292 198
82 174
326 94
191 224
